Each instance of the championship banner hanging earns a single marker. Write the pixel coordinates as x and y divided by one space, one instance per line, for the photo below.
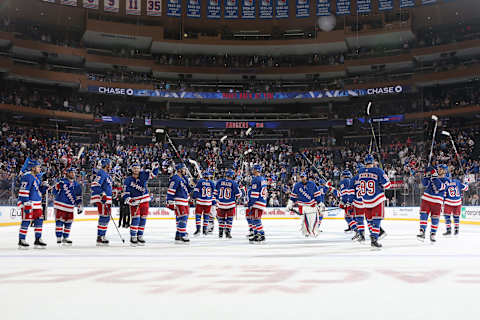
364 6
343 7
50 1
407 3
72 3
194 8
249 9
281 9
424 2
90 4
133 7
111 6
214 9
174 8
302 9
385 5
154 8
266 9
230 9
323 7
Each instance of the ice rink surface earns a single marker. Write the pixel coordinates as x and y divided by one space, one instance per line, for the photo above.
288 277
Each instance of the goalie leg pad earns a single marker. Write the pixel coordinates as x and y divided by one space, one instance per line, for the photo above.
310 221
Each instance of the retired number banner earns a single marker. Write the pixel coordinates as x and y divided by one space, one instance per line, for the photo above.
364 6
111 6
133 7
72 3
154 8
249 9
90 4
428 1
194 8
281 9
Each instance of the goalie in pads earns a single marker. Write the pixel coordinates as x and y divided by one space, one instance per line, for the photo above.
308 196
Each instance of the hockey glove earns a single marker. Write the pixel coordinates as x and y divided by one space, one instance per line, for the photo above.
104 198
171 205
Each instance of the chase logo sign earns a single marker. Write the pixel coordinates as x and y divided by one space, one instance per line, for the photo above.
471 213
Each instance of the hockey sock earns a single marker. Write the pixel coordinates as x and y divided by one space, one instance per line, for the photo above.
250 224
206 220
352 224
221 222
320 219
375 230
134 226
38 223
360 225
102 225
141 226
448 221
369 224
59 228
435 222
198 219
348 220
66 229
259 226
423 221
456 220
24 229
229 223
182 226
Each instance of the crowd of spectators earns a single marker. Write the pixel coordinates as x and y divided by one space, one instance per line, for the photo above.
403 158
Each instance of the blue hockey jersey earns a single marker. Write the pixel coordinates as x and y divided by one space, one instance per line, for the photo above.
226 193
136 189
101 185
306 195
30 193
68 194
346 191
258 193
372 183
434 190
203 192
454 192
357 199
178 190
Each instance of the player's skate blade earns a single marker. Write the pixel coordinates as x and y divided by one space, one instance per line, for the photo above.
182 240
67 242
23 245
102 242
39 244
421 236
141 241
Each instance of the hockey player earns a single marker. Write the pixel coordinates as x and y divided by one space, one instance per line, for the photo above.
372 183
204 202
135 194
68 195
30 203
346 200
307 195
257 203
102 198
454 190
226 194
432 201
177 200
358 209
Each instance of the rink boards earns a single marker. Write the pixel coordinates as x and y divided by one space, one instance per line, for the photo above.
10 215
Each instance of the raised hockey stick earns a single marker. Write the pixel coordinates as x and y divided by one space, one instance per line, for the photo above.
446 133
313 167
434 118
170 142
374 136
197 167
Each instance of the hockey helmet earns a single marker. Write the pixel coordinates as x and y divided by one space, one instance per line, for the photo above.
257 168
346 173
105 162
230 173
369 159
179 166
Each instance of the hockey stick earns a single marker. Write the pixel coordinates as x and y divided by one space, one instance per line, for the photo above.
315 168
174 149
197 167
434 118
374 136
446 133
113 221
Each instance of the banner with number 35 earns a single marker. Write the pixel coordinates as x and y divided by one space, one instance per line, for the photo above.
154 7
